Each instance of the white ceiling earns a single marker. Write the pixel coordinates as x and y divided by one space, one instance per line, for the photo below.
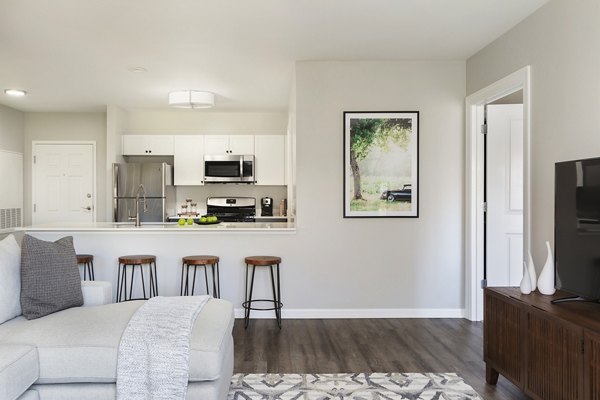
75 55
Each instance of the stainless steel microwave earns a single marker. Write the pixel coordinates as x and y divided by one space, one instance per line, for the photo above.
229 168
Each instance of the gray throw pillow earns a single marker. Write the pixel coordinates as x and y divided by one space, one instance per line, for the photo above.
49 277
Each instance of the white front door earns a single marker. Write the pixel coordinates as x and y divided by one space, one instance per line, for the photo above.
63 183
504 160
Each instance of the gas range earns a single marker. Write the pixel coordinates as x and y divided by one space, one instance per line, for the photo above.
232 209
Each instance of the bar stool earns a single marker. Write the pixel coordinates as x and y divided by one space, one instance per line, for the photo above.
133 262
260 261
87 260
200 261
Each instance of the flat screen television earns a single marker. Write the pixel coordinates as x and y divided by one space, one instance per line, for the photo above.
577 227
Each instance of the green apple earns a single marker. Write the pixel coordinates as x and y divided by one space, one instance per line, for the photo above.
190 221
203 220
181 221
212 219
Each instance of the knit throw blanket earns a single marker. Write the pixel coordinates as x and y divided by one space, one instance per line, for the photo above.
153 360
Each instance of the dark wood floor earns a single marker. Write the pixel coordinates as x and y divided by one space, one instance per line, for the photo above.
368 345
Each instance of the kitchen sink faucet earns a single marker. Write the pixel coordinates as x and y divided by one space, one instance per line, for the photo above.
141 191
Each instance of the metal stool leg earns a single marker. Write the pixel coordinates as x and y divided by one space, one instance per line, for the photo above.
181 286
247 320
187 279
92 270
218 283
118 283
84 271
279 303
206 279
194 279
143 285
275 297
155 280
131 285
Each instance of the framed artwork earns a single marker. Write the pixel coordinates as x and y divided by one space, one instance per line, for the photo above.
381 164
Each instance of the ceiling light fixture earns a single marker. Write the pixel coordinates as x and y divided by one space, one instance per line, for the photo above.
191 99
15 92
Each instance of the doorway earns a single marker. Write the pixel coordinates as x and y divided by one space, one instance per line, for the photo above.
497 216
63 182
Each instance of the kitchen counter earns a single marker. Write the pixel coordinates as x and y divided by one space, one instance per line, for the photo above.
168 227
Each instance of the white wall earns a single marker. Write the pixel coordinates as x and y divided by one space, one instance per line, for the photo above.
11 129
202 122
559 41
66 126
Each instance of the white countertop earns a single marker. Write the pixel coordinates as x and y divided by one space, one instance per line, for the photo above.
167 227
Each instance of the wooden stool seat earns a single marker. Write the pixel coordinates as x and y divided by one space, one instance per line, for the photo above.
263 260
84 258
200 260
87 260
137 259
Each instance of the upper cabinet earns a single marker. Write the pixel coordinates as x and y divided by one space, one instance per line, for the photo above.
147 145
228 144
269 158
188 160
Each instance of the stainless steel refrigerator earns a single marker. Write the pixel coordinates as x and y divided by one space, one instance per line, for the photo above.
157 182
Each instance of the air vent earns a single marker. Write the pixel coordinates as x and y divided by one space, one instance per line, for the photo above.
10 218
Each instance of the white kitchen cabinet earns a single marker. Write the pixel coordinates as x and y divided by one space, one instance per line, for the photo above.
147 145
229 144
188 160
269 158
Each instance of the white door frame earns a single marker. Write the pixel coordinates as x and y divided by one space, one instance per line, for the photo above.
62 142
474 170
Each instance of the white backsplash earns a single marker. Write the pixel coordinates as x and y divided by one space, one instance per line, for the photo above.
200 193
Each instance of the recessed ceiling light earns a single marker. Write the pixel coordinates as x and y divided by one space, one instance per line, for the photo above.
15 92
138 69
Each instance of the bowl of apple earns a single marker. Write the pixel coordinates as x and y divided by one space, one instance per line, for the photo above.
208 220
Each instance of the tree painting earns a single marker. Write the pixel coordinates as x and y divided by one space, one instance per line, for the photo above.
381 162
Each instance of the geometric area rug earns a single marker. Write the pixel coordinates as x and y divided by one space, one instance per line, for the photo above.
351 386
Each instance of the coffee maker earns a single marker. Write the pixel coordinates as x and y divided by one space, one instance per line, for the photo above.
266 207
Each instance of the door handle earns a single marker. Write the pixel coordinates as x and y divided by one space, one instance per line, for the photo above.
87 208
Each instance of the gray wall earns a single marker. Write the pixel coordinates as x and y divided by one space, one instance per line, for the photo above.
379 262
67 126
11 129
560 42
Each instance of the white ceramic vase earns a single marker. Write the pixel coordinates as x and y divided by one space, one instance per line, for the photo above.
546 280
532 274
526 281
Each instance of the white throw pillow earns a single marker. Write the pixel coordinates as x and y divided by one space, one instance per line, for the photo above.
10 279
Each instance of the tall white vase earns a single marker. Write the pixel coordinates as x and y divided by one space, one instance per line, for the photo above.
546 279
532 274
526 281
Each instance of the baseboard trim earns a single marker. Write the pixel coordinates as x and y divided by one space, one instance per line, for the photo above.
338 313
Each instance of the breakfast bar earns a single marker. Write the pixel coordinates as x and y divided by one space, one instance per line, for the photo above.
231 242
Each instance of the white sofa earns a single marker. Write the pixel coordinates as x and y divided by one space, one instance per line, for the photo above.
72 354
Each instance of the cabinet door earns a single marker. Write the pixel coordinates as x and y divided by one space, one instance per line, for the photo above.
592 366
503 330
269 158
188 160
159 145
216 144
134 145
242 144
554 358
